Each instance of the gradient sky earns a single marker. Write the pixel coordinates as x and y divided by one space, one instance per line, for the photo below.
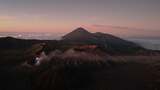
121 17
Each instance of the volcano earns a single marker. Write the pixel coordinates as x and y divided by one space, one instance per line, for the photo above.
104 40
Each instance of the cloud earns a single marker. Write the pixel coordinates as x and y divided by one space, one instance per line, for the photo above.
111 26
123 28
6 18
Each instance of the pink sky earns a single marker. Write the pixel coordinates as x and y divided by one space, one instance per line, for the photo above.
125 17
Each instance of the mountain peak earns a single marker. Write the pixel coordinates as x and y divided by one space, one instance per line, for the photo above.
78 34
80 30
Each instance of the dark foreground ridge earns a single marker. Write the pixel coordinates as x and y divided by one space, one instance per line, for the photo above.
81 71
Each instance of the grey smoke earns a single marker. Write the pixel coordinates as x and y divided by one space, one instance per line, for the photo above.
72 56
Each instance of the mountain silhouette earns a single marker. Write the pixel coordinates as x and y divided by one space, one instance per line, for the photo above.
79 34
106 41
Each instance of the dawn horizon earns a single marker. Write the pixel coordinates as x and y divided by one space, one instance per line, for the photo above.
125 17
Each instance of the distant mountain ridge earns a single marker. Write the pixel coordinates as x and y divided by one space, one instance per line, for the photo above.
107 41
80 36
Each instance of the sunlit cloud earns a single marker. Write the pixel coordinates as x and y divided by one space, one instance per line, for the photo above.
111 26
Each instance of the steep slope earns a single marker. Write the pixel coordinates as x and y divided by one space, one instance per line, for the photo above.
79 35
114 43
